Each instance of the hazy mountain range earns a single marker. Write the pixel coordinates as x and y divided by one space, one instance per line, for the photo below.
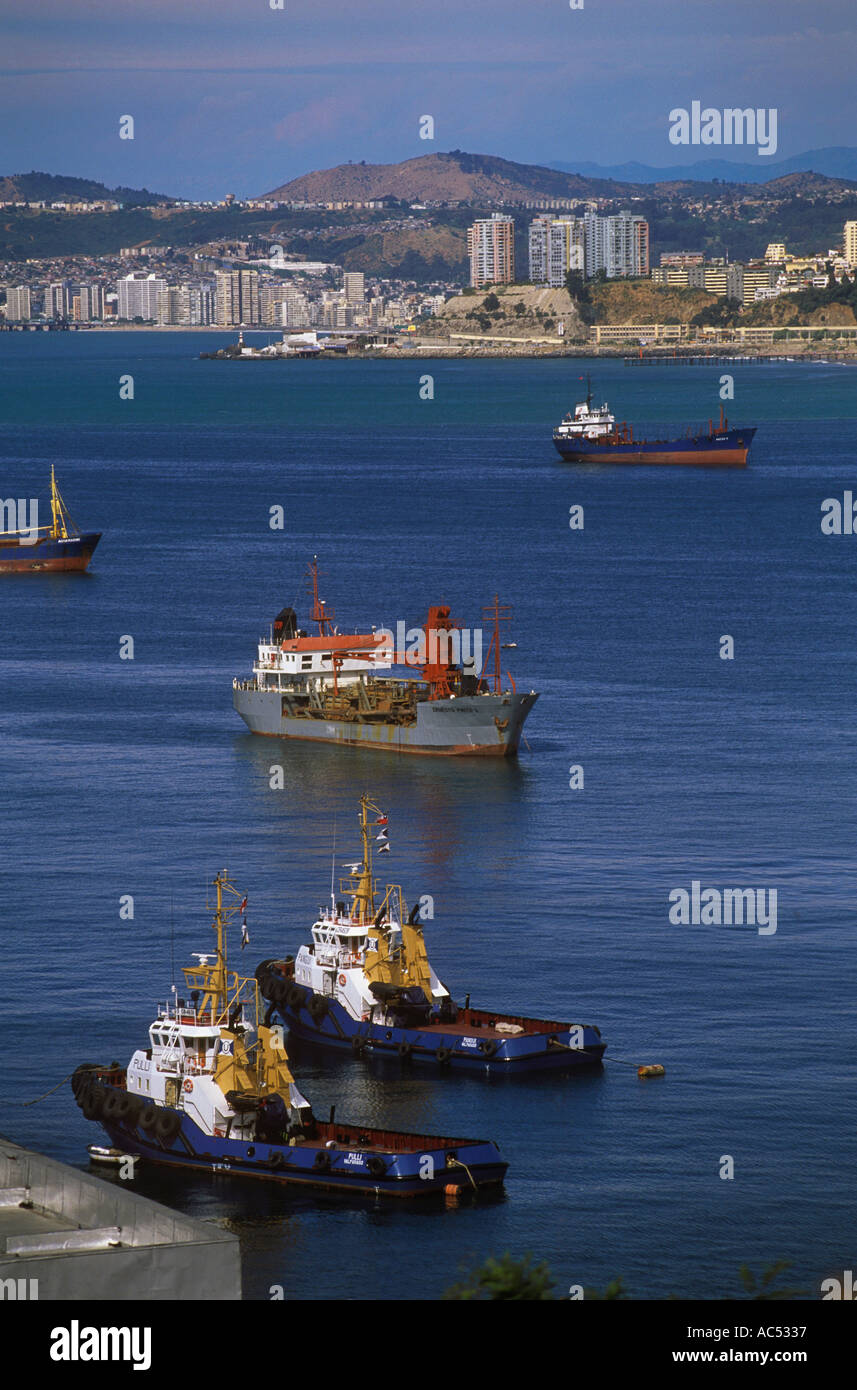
456 176
837 161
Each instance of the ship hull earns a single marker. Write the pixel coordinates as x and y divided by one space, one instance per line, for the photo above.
343 1168
726 449
473 1047
483 725
48 555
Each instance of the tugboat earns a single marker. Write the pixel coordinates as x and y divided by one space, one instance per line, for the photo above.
592 436
213 1091
364 984
327 687
60 546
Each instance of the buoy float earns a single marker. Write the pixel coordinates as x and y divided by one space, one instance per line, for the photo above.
654 1070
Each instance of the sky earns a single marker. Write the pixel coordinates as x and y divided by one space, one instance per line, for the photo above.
236 96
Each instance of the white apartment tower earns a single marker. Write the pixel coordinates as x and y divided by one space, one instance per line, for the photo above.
17 304
556 246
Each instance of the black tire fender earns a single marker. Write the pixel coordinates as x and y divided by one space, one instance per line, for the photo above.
112 1104
167 1125
318 1007
93 1102
148 1119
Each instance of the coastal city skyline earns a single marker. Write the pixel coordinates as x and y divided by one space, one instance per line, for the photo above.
254 98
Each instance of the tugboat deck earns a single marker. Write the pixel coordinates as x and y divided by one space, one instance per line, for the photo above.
473 1024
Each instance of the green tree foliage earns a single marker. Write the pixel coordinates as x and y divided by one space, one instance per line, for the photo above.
505 1278
721 314
765 1287
578 290
491 303
508 1278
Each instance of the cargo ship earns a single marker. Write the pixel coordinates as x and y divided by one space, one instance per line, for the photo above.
213 1090
591 435
330 687
363 984
60 546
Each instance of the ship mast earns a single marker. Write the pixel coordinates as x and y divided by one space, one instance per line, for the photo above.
213 979
62 526
363 906
500 613
321 614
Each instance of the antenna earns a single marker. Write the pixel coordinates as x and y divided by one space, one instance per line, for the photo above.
172 949
333 867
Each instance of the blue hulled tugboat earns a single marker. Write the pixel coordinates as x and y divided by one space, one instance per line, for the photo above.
213 1090
364 984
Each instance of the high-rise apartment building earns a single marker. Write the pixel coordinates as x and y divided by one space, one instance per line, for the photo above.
851 243
196 304
138 296
295 310
617 245
185 305
354 285
58 299
556 246
17 304
90 303
491 248
236 297
169 307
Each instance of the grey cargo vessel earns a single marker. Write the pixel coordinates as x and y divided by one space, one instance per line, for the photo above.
330 687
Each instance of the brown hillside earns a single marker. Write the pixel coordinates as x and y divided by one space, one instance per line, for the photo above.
541 310
452 177
641 301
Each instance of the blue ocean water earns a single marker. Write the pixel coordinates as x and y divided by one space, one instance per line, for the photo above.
137 777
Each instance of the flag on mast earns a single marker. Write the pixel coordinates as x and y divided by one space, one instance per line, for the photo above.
245 935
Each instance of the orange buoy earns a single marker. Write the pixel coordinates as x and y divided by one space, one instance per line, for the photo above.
654 1070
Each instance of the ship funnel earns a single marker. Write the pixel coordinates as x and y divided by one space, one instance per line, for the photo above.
285 625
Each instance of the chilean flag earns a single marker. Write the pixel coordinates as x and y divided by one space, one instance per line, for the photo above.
382 820
243 905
